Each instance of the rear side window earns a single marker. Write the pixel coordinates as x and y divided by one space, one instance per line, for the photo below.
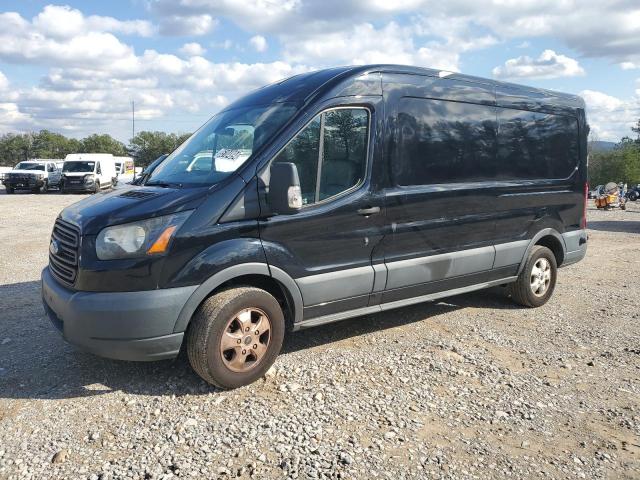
330 153
534 145
443 142
453 142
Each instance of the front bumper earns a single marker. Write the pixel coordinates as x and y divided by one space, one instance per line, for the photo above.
121 325
82 186
29 184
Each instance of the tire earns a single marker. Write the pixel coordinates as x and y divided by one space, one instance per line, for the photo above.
44 188
223 316
633 196
9 190
522 290
96 188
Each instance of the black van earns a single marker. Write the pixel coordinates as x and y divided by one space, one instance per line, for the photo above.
325 196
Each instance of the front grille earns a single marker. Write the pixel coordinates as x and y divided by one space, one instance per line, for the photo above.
64 263
20 177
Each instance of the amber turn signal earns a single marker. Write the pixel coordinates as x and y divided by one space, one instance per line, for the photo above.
161 244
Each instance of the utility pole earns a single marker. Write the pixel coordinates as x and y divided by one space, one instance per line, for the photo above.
133 131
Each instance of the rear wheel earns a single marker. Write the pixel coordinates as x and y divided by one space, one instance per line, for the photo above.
235 336
536 282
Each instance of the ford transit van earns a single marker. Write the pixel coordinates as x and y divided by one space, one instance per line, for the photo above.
88 172
329 195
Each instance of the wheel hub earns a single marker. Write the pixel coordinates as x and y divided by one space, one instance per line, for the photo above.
540 277
245 340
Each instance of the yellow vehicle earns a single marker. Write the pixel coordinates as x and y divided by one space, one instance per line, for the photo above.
610 197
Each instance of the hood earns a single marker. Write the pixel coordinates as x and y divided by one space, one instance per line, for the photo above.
133 203
28 172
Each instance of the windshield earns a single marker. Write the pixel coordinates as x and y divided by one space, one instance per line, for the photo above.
29 166
78 166
222 145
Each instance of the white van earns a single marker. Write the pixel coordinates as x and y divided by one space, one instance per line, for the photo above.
88 172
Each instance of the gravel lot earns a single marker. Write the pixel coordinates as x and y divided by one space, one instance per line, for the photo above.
471 387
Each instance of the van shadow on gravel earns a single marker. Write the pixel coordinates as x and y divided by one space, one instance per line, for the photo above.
35 363
618 226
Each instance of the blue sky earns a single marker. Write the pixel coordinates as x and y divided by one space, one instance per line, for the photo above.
75 67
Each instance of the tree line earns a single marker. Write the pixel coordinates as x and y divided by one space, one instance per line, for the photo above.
620 164
144 147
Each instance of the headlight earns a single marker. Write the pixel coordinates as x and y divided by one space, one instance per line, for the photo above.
137 239
88 178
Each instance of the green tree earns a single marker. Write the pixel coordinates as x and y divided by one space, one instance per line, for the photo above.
15 148
47 144
102 144
146 146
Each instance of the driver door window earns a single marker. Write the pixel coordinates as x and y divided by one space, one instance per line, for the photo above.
330 153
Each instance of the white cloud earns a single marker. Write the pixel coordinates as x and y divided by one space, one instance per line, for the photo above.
605 29
416 44
187 25
548 65
66 22
259 43
610 118
193 49
259 15
4 82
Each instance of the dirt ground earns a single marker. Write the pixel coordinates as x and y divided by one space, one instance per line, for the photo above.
469 387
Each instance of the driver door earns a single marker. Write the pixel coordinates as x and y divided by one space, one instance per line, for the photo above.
327 246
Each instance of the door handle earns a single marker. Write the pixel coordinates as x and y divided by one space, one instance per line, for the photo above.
368 211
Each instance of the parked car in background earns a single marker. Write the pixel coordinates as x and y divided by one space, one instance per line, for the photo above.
37 175
363 189
633 193
88 172
596 191
125 169
140 179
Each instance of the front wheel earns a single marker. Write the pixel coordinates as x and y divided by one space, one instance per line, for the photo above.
44 187
96 188
536 282
235 336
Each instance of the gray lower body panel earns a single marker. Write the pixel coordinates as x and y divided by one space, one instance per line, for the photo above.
401 303
119 325
414 271
332 286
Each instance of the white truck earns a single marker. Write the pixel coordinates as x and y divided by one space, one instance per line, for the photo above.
88 172
37 175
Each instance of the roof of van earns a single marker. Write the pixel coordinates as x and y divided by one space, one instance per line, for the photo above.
301 88
71 157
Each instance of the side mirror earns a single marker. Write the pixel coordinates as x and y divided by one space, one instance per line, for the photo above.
285 196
